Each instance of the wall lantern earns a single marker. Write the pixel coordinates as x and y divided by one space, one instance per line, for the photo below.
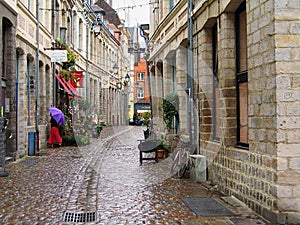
127 77
115 68
97 29
97 24
119 85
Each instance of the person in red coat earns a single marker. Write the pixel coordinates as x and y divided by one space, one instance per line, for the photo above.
54 137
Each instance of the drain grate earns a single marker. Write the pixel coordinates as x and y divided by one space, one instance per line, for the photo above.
80 217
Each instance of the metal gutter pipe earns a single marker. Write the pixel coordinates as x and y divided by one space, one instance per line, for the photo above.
54 45
190 71
37 88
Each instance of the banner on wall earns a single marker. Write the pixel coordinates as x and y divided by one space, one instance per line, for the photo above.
76 79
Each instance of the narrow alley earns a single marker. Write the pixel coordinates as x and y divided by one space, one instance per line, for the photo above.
103 183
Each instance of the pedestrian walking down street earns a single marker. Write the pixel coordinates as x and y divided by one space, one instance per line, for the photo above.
54 137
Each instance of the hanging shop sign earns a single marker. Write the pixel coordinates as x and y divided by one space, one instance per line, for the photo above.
59 56
76 79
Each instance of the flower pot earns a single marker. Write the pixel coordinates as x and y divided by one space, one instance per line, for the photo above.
160 153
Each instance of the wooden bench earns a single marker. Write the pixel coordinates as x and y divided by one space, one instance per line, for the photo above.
148 146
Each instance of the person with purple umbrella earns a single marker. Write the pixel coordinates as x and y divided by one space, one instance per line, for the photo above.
57 119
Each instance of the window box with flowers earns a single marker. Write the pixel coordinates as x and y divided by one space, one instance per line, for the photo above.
69 66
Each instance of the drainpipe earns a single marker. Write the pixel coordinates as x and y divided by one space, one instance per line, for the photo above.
37 89
17 96
87 65
28 93
190 72
54 45
143 28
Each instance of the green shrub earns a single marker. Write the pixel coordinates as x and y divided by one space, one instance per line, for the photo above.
69 140
82 140
75 140
170 109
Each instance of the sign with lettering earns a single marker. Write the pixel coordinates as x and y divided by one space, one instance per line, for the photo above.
59 56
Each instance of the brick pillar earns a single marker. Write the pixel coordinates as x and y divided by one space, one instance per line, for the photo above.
227 79
205 81
159 96
167 77
153 83
181 86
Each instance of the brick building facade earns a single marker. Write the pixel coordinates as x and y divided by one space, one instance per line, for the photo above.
141 88
245 94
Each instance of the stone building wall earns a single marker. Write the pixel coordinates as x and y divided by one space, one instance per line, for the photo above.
286 60
265 176
8 21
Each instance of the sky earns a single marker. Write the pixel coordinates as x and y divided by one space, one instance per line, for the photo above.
134 12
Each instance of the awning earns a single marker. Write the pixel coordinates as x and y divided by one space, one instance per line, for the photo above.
143 110
72 89
68 86
63 84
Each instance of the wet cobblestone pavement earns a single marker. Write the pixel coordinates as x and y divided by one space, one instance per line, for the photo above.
106 179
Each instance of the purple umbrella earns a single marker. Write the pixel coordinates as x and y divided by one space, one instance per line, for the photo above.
57 115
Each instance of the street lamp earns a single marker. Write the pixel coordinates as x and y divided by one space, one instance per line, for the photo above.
144 32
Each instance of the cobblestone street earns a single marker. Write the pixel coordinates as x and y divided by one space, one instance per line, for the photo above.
105 179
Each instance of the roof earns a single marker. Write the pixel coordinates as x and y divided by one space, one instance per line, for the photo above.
110 14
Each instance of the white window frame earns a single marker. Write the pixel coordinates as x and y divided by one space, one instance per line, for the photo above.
140 92
140 76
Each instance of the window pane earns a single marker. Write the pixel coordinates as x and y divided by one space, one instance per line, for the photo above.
140 76
242 76
171 4
243 106
216 91
243 41
140 92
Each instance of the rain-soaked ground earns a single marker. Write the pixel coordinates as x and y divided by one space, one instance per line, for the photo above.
106 182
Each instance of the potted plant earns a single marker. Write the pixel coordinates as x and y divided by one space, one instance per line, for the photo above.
162 149
99 128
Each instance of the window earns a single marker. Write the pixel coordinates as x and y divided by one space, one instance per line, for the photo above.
6 24
173 69
171 4
29 5
242 76
140 76
80 34
140 92
216 92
